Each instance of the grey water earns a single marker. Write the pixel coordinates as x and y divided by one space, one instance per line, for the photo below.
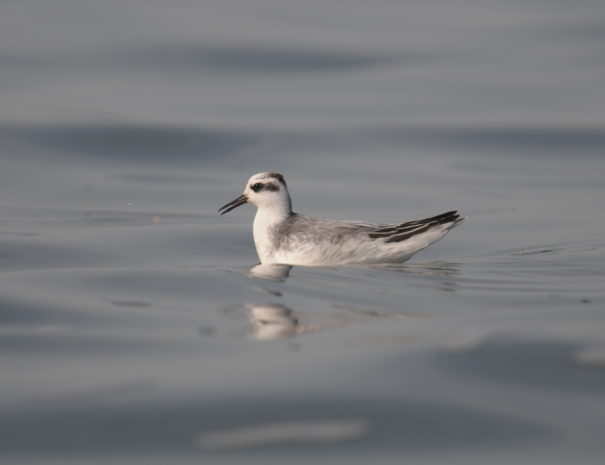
135 326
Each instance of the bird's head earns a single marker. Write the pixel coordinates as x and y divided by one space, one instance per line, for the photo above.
266 190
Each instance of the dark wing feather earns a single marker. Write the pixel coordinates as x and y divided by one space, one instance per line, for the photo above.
404 231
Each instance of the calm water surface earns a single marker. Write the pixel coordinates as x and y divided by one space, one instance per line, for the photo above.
135 326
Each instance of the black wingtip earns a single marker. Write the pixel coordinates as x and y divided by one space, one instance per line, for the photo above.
407 230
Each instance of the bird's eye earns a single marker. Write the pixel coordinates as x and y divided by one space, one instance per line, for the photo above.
256 187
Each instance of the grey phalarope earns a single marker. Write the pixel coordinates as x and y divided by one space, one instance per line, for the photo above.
284 237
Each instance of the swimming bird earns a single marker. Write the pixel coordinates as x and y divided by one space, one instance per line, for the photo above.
284 237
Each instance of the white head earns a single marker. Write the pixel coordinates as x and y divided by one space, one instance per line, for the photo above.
265 190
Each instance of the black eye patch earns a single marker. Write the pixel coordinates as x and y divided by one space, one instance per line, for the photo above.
259 186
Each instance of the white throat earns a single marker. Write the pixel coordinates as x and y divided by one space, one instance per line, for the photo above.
267 219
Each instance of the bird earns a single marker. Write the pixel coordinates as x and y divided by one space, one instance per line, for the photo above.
283 237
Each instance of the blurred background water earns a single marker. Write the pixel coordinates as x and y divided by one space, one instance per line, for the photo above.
133 327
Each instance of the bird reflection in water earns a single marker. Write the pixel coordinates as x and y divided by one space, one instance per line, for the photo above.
279 273
436 268
269 272
273 321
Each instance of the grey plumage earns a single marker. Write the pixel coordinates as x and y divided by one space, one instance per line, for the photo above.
299 227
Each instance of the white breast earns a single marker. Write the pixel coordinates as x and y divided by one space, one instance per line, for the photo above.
264 222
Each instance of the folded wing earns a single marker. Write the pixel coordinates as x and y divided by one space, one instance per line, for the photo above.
404 231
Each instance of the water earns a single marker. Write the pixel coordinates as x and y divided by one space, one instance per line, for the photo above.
134 327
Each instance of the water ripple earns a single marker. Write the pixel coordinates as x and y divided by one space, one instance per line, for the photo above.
154 143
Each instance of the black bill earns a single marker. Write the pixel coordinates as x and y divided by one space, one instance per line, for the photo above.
242 199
